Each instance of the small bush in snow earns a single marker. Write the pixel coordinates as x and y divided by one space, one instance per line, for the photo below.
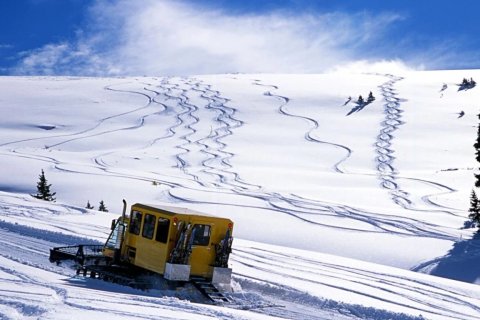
467 84
102 207
89 206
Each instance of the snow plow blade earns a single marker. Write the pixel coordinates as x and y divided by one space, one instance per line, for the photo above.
79 254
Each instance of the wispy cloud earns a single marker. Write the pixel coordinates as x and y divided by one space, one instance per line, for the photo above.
447 53
397 67
78 58
5 46
174 37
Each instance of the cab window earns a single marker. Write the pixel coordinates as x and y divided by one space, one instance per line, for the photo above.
201 235
148 226
162 230
136 222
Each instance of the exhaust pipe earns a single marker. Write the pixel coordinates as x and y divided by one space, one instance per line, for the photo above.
124 209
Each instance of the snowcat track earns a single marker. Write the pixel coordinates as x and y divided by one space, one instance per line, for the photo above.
126 277
113 274
209 290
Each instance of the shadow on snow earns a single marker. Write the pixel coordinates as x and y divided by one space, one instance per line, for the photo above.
461 263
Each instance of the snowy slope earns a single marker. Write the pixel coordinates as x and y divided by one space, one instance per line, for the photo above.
292 283
288 157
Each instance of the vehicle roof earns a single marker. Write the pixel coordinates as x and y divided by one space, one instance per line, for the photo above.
172 210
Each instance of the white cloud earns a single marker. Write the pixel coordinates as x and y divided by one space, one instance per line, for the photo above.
64 59
396 67
172 37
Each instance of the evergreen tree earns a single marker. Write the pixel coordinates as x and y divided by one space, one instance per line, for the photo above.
476 145
360 100
467 84
102 207
370 97
43 189
89 206
474 209
477 181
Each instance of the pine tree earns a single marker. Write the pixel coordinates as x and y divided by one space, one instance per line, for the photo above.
474 209
43 189
467 84
360 100
370 97
89 206
477 181
102 207
476 145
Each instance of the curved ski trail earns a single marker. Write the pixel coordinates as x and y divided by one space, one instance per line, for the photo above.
307 210
387 171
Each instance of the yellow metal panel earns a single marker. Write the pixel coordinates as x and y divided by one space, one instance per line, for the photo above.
203 257
152 255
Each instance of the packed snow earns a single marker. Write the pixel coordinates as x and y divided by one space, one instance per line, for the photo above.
342 210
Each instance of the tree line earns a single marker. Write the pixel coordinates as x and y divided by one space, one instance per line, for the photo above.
44 193
474 210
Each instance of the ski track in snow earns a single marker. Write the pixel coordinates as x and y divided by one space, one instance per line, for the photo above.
215 168
219 162
215 174
302 208
106 302
33 252
314 125
385 159
31 246
86 133
385 288
387 172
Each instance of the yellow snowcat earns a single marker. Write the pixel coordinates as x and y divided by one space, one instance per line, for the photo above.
172 245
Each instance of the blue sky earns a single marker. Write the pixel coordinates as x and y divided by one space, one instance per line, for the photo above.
125 37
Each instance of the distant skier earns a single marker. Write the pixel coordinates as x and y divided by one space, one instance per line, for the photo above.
461 114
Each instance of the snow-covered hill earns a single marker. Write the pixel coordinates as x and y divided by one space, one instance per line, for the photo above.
333 202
